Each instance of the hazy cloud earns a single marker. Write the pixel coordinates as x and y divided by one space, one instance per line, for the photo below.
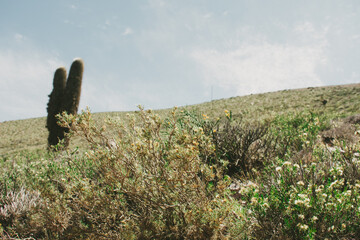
127 31
25 75
264 66
18 37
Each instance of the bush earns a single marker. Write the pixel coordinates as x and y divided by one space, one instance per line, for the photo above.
313 197
296 132
147 181
244 147
240 147
18 210
143 177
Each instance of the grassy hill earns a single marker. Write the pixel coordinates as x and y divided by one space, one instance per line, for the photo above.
342 101
279 165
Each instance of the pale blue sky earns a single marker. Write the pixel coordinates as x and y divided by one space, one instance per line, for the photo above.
165 53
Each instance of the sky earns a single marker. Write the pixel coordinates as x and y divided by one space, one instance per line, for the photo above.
166 53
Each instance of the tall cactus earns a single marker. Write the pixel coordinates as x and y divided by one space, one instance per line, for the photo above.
73 87
72 93
64 97
56 132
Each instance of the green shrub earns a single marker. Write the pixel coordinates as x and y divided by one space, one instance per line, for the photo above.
313 199
297 131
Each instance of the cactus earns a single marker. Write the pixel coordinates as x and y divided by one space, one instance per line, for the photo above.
73 87
64 97
56 132
72 92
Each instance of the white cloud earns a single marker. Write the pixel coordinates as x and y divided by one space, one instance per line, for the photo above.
261 67
18 37
157 3
26 80
128 31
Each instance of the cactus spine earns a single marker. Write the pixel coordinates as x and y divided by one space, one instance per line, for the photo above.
64 97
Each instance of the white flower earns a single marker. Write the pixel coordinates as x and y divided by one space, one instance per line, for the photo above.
278 169
333 184
287 163
321 187
314 218
301 183
303 227
253 200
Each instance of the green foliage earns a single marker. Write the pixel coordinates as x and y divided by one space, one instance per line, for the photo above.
316 200
297 131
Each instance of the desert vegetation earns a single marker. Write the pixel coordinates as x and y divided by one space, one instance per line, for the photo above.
280 165
65 96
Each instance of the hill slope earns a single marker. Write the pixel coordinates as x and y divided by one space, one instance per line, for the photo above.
341 101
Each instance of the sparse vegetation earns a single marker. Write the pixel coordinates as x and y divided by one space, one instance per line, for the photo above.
267 170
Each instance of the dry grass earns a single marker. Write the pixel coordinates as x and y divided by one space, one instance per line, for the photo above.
342 101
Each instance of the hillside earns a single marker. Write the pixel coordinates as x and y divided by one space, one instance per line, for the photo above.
280 165
342 101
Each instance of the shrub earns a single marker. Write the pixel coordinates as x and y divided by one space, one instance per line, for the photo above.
296 132
146 182
18 212
244 147
313 199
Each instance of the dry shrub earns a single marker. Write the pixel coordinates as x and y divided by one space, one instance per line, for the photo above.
240 147
148 181
18 214
343 132
243 146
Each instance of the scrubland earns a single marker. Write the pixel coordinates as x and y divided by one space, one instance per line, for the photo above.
281 165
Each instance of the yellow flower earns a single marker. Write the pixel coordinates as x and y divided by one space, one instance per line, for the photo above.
205 116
